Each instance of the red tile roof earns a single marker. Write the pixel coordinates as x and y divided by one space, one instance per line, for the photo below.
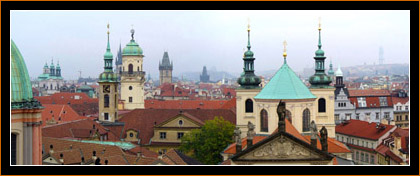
371 102
396 100
66 98
174 157
76 129
188 104
86 109
363 129
145 119
385 151
369 92
60 113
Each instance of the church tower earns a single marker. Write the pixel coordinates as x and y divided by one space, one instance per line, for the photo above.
165 69
108 89
321 88
132 75
249 88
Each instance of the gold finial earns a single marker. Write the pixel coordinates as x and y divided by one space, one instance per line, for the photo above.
244 51
108 27
284 51
249 26
319 28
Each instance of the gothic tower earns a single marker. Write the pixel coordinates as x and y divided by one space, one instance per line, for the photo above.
108 89
132 75
204 77
249 88
165 69
321 88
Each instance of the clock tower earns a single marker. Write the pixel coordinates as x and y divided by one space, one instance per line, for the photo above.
108 89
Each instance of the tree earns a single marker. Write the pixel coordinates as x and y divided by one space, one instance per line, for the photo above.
207 143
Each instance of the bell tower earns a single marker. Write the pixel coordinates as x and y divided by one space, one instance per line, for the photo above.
108 89
132 75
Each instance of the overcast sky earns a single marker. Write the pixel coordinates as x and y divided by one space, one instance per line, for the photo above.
212 38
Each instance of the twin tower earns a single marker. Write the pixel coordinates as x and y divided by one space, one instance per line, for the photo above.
129 75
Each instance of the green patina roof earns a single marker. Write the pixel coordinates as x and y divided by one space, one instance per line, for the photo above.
284 85
123 145
20 82
132 48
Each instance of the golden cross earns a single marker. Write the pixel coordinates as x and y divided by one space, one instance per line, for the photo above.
285 44
319 23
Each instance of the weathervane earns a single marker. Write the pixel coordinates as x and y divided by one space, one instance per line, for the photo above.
132 32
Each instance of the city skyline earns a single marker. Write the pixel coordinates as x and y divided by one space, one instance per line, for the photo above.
195 39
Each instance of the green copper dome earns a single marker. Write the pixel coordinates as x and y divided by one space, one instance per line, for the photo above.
249 54
108 77
21 87
132 49
319 52
284 85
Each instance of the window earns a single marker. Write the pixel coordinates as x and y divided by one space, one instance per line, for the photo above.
386 115
106 100
249 105
363 143
348 116
321 105
180 135
348 140
361 101
406 117
357 156
138 68
130 99
362 157
106 116
342 139
264 120
357 116
130 87
131 134
130 69
366 158
383 101
180 122
377 115
357 142
372 159
13 149
336 117
305 120
367 116
289 116
352 141
162 135
406 108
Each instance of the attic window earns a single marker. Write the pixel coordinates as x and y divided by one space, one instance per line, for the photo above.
180 122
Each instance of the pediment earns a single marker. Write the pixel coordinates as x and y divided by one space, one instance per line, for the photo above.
175 122
281 148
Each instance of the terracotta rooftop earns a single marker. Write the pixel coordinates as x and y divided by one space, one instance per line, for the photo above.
60 114
188 104
363 129
396 100
175 157
368 92
371 102
145 119
66 98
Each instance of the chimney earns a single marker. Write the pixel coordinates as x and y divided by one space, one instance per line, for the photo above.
61 158
324 138
51 149
94 155
106 162
314 134
281 112
250 134
83 161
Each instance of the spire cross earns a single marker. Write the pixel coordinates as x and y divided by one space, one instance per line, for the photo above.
319 28
132 32
284 51
249 26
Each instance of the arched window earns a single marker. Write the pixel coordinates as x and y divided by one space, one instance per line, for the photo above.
321 105
249 105
130 69
289 116
305 120
264 120
138 68
14 149
106 100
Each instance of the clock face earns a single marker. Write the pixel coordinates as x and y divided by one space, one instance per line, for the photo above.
107 89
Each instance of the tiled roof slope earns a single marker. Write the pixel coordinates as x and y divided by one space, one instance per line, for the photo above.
363 129
145 119
60 113
66 98
188 104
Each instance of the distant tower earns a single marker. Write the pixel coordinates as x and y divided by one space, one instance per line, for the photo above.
165 69
58 70
204 77
108 89
132 76
331 71
52 68
381 55
339 78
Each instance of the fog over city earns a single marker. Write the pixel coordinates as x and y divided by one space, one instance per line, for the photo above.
216 39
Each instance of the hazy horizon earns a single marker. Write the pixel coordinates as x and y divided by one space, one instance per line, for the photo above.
214 39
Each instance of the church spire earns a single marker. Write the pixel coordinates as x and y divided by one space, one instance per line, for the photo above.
108 55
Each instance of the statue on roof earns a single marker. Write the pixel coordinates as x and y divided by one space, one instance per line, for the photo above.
324 137
237 135
314 130
281 112
251 132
